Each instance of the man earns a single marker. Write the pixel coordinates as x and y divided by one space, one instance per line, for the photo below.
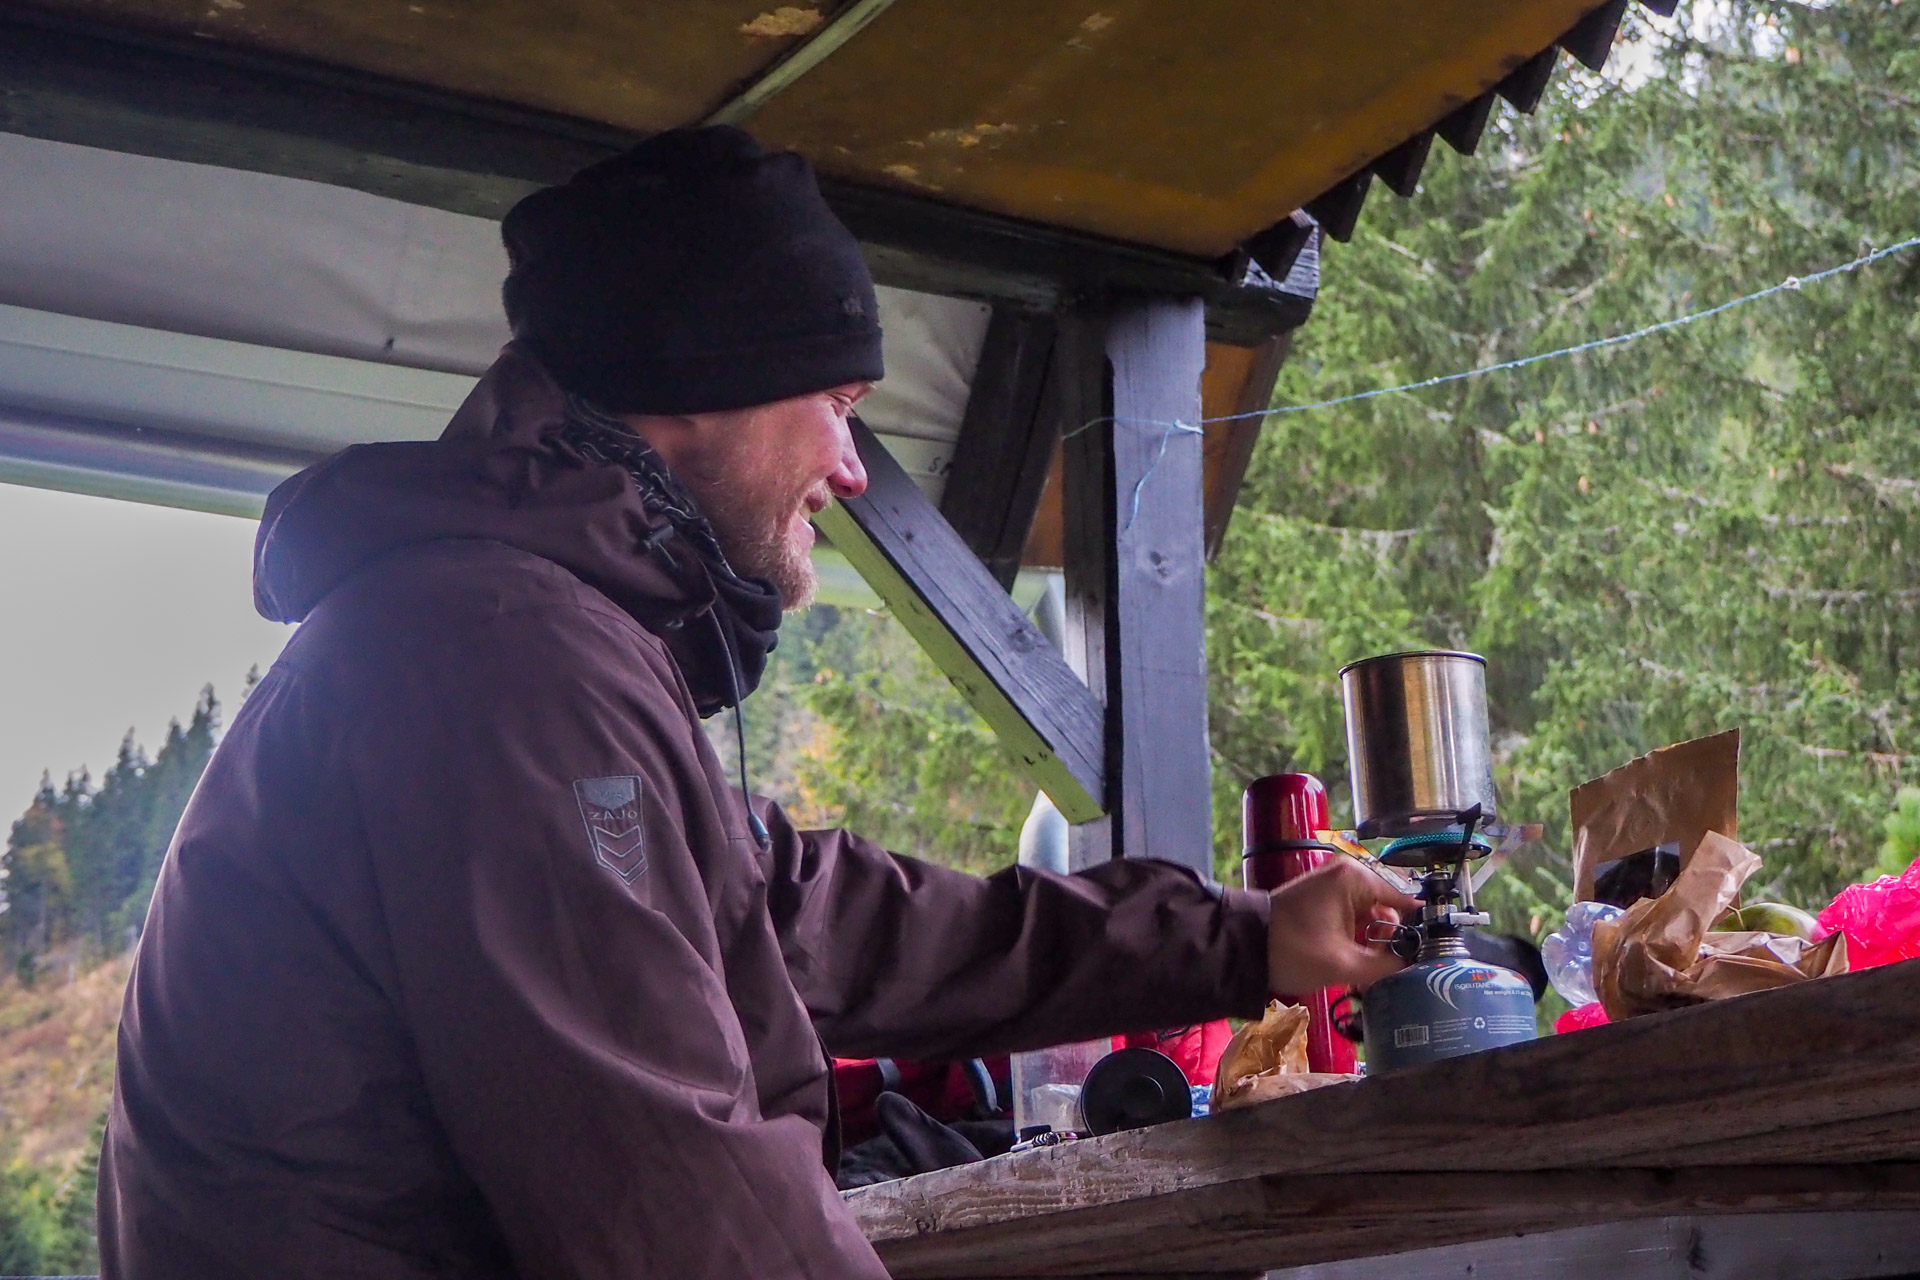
467 959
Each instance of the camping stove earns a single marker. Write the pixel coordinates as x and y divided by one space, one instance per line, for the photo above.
1421 768
1445 1002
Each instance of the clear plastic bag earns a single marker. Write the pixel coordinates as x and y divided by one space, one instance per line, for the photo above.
1568 952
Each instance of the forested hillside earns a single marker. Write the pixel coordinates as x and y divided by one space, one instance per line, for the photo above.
78 868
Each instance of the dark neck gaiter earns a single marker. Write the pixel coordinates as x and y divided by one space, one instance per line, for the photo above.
745 611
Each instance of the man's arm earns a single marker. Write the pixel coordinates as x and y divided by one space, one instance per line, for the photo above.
896 957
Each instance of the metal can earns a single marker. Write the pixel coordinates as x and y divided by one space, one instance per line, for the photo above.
1417 741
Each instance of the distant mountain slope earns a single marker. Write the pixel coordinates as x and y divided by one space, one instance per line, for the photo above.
56 1059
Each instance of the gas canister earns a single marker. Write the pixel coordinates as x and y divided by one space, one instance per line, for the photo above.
1444 1004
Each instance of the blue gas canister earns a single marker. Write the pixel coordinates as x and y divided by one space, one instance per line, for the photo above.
1445 1003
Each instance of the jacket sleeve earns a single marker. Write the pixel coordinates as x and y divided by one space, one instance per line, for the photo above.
897 957
558 969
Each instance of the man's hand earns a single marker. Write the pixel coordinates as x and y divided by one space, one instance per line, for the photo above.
1319 922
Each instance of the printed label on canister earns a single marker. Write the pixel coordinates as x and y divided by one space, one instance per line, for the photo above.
1444 1009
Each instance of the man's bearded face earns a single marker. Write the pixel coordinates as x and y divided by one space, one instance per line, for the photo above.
760 475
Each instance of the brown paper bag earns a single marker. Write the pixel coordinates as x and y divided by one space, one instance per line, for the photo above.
1671 796
1662 954
1268 1059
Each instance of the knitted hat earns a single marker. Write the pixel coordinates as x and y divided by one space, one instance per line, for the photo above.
695 272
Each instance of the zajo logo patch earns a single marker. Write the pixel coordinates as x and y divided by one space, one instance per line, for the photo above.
611 809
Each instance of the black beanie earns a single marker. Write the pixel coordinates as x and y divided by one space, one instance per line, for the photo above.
695 272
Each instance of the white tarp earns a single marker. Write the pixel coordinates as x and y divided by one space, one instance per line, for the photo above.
274 312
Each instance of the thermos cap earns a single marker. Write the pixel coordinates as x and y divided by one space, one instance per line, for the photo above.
1283 809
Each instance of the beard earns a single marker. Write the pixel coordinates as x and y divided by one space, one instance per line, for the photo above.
758 535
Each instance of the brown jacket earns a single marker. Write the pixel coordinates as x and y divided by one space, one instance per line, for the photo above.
464 962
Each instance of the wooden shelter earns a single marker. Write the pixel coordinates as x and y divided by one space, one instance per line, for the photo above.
236 235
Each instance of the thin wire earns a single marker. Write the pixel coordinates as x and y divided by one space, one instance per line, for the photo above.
1791 283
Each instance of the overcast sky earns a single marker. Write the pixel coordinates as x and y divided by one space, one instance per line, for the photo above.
113 615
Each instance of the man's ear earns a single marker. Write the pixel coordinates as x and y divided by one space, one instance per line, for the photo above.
666 432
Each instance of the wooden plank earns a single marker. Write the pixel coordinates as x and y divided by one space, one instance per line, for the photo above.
1236 380
1156 639
1243 386
1079 396
1126 387
1799 1246
95 84
1276 1221
970 627
1006 442
1819 1075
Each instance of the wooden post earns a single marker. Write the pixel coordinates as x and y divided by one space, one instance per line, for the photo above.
1127 388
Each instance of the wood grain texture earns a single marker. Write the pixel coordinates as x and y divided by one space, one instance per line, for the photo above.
1270 1222
1077 397
1156 616
991 651
1774 1246
1823 1078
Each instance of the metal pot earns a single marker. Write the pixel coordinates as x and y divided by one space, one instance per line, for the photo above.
1417 747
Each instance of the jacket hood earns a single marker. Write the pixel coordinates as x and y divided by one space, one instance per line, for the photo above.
498 473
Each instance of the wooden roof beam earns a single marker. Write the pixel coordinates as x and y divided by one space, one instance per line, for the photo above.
1006 442
1048 720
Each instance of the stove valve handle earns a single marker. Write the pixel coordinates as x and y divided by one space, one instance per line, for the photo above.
1402 939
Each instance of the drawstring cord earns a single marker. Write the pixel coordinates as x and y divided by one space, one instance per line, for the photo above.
654 542
757 827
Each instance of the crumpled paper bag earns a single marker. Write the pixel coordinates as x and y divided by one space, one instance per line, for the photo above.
1663 954
1267 1060
1671 796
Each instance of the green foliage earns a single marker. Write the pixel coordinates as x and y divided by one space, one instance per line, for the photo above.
29 1222
856 727
82 861
47 1222
1902 845
1698 530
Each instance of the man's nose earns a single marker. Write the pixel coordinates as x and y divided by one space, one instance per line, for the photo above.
849 478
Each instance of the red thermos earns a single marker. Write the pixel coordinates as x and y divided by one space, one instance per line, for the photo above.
1281 813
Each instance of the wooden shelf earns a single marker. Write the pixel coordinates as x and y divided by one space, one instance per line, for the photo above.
1795 1100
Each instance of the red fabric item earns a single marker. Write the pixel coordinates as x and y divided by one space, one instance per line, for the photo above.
1196 1049
1587 1015
1881 920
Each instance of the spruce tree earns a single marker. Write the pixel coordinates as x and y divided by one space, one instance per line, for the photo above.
1702 529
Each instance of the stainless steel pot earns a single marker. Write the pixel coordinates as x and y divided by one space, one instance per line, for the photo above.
1417 747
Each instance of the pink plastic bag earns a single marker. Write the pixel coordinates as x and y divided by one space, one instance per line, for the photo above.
1587 1015
1881 920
